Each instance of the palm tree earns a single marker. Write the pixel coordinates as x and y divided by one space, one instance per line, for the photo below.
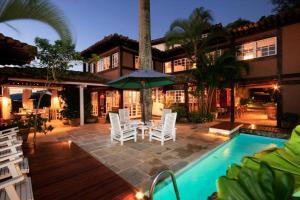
145 54
230 70
40 10
189 34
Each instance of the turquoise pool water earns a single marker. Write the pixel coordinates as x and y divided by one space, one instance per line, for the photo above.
198 180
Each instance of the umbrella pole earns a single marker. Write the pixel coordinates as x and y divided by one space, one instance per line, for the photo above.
143 100
143 104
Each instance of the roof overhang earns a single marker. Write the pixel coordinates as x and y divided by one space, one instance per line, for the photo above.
58 82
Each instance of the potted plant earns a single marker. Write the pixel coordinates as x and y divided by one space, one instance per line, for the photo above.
27 124
91 119
72 116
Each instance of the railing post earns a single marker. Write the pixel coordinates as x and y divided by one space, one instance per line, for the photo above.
157 178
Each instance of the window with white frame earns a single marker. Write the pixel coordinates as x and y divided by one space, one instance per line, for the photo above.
92 66
101 65
157 95
183 64
168 67
214 54
106 62
115 60
175 96
257 49
266 47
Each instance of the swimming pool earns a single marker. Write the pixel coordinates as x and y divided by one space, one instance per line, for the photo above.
197 181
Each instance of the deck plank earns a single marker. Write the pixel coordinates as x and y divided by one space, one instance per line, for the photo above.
60 170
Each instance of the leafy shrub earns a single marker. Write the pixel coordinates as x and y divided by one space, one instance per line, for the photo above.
181 112
210 117
245 101
197 117
71 110
271 174
255 184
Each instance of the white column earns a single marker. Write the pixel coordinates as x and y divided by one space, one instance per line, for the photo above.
81 100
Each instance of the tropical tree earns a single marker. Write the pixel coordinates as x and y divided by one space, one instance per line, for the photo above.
229 70
56 59
199 38
40 10
145 54
285 5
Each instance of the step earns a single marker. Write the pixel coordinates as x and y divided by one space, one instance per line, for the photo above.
24 190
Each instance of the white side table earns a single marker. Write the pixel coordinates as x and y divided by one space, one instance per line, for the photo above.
143 127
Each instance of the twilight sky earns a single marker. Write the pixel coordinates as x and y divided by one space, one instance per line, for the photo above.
91 20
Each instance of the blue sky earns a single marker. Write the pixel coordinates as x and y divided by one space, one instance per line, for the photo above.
91 20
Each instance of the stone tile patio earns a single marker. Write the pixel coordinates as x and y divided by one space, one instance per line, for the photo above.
139 162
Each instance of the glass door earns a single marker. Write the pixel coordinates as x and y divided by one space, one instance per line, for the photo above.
132 102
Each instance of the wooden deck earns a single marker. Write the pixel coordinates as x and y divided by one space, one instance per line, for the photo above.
60 170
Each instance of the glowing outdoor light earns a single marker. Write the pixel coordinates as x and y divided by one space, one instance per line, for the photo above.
5 101
139 195
276 87
252 126
70 141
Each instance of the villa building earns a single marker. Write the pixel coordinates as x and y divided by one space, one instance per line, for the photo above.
270 46
20 83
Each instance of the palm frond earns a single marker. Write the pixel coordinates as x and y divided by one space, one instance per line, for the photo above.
40 10
12 27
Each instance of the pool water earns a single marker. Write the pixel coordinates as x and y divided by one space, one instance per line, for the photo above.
197 181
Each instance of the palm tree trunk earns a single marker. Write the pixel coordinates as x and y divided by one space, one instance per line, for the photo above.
232 103
145 54
210 98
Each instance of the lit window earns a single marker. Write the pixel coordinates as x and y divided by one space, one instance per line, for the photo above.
115 60
214 54
157 95
175 96
183 64
266 47
257 49
168 67
106 62
137 62
101 65
246 51
204 35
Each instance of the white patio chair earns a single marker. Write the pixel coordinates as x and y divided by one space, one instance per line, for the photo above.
162 119
121 134
18 186
168 130
124 117
10 133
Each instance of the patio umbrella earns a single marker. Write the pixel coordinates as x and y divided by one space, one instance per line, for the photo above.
142 79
